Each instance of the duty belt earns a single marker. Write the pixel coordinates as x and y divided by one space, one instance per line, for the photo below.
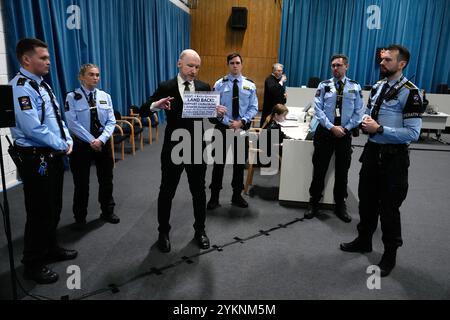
37 151
389 148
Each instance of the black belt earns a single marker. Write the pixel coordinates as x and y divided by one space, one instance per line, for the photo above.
38 151
389 148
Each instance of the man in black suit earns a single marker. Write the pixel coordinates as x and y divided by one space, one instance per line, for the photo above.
169 97
274 91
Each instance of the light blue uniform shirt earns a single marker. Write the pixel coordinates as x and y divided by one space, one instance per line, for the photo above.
400 117
352 103
78 114
28 103
248 101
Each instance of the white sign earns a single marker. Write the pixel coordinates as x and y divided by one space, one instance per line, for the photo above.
200 104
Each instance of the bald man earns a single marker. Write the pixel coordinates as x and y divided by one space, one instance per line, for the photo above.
169 97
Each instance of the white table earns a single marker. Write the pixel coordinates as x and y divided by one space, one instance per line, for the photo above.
297 168
434 122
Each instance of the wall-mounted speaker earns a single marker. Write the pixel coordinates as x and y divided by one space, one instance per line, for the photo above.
238 18
7 117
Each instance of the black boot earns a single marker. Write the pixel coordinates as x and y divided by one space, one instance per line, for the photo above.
313 210
340 210
387 262
357 245
238 201
213 203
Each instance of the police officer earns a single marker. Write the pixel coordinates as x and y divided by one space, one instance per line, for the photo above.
338 107
41 140
90 118
393 120
238 95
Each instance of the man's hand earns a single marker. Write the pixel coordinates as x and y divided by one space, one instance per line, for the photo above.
97 145
283 78
164 103
338 131
69 149
236 124
370 125
221 110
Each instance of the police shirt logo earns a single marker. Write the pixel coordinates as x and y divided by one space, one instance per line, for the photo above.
25 103
317 93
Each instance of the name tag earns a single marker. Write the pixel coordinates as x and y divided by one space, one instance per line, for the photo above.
103 102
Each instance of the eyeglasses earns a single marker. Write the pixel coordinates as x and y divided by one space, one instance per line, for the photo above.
336 65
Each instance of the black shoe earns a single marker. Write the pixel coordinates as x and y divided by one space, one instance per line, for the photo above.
356 245
387 262
313 211
40 274
79 225
238 201
110 217
341 212
202 239
61 254
164 242
213 204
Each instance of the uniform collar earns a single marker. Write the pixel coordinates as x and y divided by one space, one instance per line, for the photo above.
394 81
31 75
87 90
231 77
344 80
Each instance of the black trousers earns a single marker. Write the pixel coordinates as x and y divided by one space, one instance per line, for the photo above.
170 177
80 164
43 204
237 183
325 144
383 186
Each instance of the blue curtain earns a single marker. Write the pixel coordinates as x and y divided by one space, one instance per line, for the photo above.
135 43
313 30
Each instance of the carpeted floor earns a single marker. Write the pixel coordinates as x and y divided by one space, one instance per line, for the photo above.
300 260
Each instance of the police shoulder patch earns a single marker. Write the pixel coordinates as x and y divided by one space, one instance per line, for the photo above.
317 93
414 106
25 103
66 106
21 81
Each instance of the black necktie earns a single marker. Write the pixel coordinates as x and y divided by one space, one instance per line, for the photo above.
339 96
95 123
55 109
186 86
235 99
376 107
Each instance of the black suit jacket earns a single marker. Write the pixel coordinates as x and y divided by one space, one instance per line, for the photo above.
173 116
273 94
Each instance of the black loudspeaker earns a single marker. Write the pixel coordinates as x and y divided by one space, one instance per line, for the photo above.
378 56
238 18
7 117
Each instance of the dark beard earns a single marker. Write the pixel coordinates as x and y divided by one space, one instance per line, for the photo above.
386 73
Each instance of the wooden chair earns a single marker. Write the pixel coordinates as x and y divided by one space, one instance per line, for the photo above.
118 137
147 122
252 153
132 128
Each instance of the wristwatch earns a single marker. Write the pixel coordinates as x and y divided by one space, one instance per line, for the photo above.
380 130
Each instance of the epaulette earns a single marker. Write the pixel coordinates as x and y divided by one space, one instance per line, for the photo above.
249 80
410 85
224 79
327 81
77 96
353 81
21 81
